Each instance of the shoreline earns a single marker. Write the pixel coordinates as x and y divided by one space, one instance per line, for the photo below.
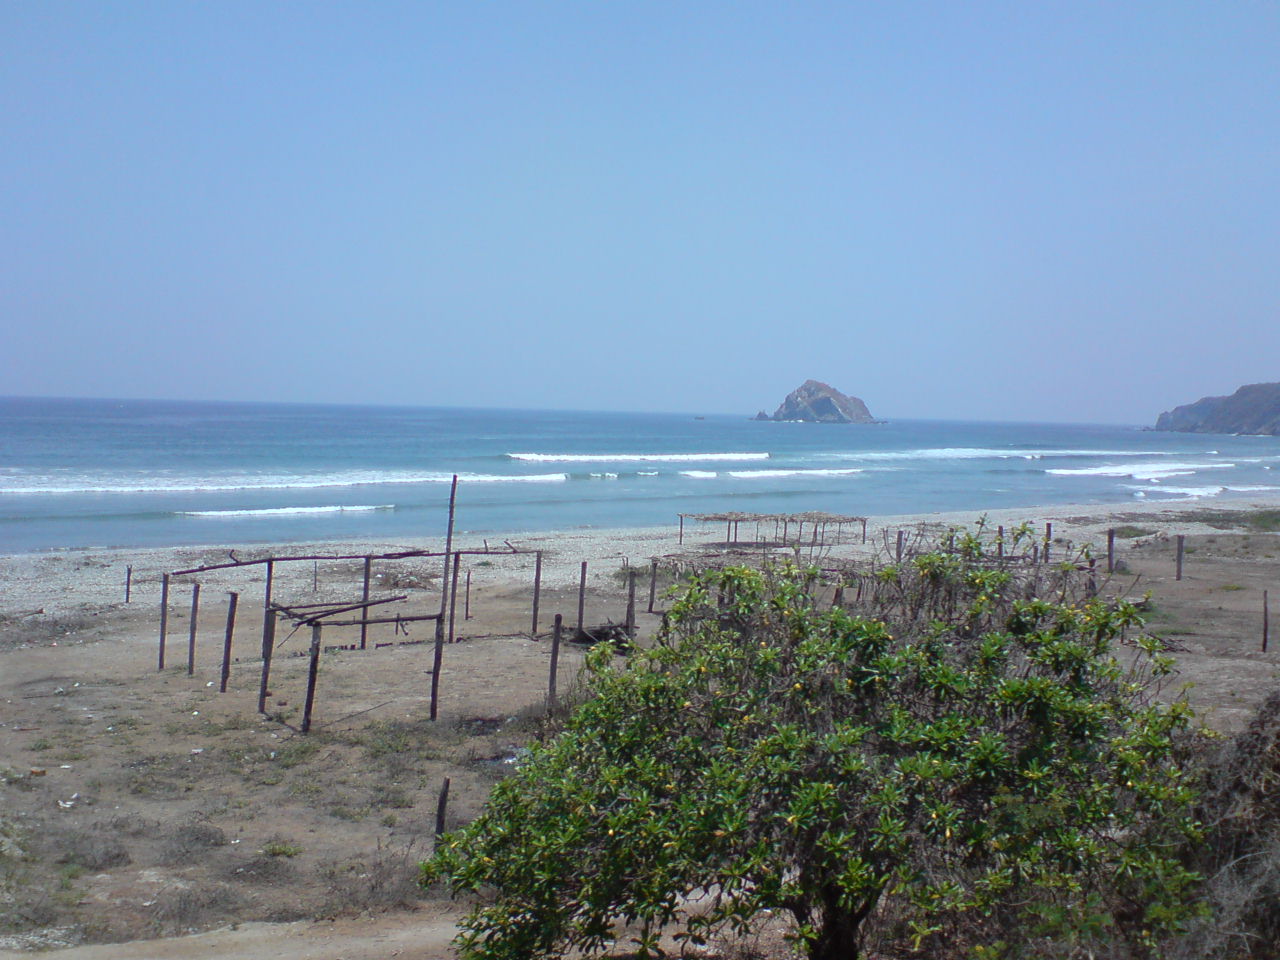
77 580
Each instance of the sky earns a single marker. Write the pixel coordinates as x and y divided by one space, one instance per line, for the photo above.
1009 211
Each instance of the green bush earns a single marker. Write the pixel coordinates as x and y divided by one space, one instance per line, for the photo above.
990 782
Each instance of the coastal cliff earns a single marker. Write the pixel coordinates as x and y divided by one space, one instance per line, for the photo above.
818 402
1253 409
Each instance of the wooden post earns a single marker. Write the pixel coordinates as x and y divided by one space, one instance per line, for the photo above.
582 595
1111 550
466 606
453 594
444 589
312 670
653 583
900 536
128 583
1000 542
315 576
164 616
864 529
537 591
1035 553
442 805
191 634
555 662
364 598
728 532
1182 544
268 639
1048 539
681 540
1266 618
839 597
631 604
226 641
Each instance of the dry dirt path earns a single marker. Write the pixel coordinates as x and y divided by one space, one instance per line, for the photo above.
421 935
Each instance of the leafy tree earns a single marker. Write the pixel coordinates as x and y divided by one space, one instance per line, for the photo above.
989 780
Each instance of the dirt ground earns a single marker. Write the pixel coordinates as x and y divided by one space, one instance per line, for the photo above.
139 808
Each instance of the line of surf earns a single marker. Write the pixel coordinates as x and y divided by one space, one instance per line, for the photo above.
230 484
634 457
286 511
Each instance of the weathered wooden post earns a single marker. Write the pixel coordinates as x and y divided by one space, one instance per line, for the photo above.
268 639
899 554
164 616
128 583
1035 553
631 604
312 670
681 540
1266 619
582 595
315 576
453 594
537 590
653 583
555 662
1111 550
466 606
1048 539
234 599
1182 545
442 805
864 530
444 588
191 634
1000 542
364 598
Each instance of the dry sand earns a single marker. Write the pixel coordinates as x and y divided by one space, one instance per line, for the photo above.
163 807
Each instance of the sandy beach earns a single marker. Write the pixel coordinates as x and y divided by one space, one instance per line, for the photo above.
147 804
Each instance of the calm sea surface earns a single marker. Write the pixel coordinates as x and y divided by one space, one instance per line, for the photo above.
94 473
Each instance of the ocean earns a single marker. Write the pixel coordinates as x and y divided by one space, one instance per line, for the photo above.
132 473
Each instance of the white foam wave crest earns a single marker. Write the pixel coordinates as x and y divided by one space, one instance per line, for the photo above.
699 474
634 457
1140 471
64 486
1197 493
766 474
988 453
284 511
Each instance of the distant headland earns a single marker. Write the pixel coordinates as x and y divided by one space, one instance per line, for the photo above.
1253 409
817 402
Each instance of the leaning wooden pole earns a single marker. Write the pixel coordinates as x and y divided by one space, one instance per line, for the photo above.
631 604
582 596
164 616
537 591
653 583
444 586
268 639
555 662
313 670
1266 618
191 633
234 599
453 596
466 608
442 807
364 598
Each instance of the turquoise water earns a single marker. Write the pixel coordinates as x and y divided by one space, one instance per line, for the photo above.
95 473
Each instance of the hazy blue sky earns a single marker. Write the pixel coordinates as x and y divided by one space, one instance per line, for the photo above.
1061 211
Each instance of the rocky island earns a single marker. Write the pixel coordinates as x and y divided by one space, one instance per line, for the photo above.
1253 409
817 402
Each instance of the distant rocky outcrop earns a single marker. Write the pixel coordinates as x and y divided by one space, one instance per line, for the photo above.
1253 409
820 403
